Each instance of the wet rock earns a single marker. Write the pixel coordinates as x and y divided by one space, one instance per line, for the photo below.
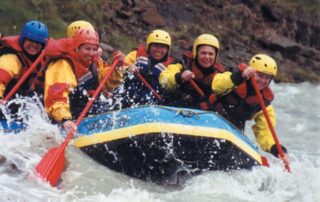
152 17
106 47
125 14
244 27
184 44
3 159
268 14
284 45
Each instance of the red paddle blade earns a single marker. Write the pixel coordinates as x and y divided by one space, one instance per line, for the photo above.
51 166
265 161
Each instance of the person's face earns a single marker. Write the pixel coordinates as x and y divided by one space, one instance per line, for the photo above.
157 51
86 52
206 56
263 80
32 47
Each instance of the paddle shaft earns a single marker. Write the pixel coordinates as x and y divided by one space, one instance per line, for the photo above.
274 135
192 82
51 165
24 76
197 88
92 99
148 85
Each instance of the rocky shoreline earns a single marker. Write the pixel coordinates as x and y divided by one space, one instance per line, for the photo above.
244 27
288 30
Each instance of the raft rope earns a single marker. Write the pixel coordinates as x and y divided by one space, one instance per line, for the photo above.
185 112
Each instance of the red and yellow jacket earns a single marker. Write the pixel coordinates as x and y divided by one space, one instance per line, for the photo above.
13 63
62 76
238 102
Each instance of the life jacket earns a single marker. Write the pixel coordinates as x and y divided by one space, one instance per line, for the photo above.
150 72
203 78
241 104
87 77
34 83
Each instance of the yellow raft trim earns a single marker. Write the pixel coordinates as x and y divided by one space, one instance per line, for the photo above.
141 129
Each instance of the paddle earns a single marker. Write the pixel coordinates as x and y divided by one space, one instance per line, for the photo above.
148 85
24 77
192 82
52 164
197 88
274 135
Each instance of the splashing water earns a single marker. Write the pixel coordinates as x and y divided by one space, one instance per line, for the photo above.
84 180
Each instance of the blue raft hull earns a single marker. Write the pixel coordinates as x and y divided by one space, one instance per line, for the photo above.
165 145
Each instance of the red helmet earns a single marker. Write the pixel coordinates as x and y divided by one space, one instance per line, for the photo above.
85 35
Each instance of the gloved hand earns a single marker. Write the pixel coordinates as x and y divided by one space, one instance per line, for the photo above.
118 55
248 73
69 126
187 76
133 69
275 151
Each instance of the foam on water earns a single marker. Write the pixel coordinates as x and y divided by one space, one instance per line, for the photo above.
84 180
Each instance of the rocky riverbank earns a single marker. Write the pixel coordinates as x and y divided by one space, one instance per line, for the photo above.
287 30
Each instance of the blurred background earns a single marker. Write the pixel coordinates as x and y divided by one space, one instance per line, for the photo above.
288 30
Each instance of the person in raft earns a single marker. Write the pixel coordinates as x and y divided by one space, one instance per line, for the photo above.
17 54
144 65
198 68
237 101
70 80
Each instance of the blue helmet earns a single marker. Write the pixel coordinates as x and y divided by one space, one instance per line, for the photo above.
34 30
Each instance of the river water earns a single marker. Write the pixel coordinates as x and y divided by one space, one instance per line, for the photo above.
297 107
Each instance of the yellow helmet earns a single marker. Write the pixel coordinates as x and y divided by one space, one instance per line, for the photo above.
205 39
76 25
159 36
264 63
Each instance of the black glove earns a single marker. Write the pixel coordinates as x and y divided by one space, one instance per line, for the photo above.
275 151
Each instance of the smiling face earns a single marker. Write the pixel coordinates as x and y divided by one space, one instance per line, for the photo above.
157 51
206 56
86 52
32 47
263 80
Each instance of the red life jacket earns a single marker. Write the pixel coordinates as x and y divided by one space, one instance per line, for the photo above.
242 103
253 100
202 79
62 49
11 45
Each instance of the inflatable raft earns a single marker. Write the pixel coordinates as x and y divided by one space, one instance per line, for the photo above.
165 145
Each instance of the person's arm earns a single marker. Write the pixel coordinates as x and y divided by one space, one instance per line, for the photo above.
262 132
130 59
224 83
59 80
115 79
170 78
10 68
